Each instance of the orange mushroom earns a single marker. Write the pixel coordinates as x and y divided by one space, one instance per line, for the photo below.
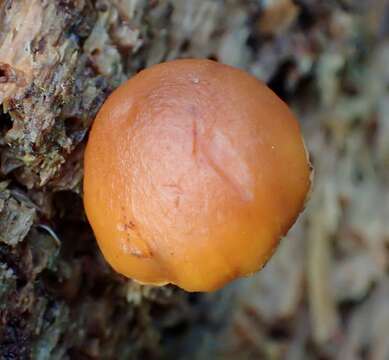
194 170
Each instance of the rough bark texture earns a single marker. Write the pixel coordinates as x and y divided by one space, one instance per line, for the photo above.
59 60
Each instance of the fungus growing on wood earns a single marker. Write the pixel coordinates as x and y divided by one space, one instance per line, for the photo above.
194 171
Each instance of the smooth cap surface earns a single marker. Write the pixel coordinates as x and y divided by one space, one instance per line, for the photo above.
194 170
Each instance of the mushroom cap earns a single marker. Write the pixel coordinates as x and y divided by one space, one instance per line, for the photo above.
194 171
